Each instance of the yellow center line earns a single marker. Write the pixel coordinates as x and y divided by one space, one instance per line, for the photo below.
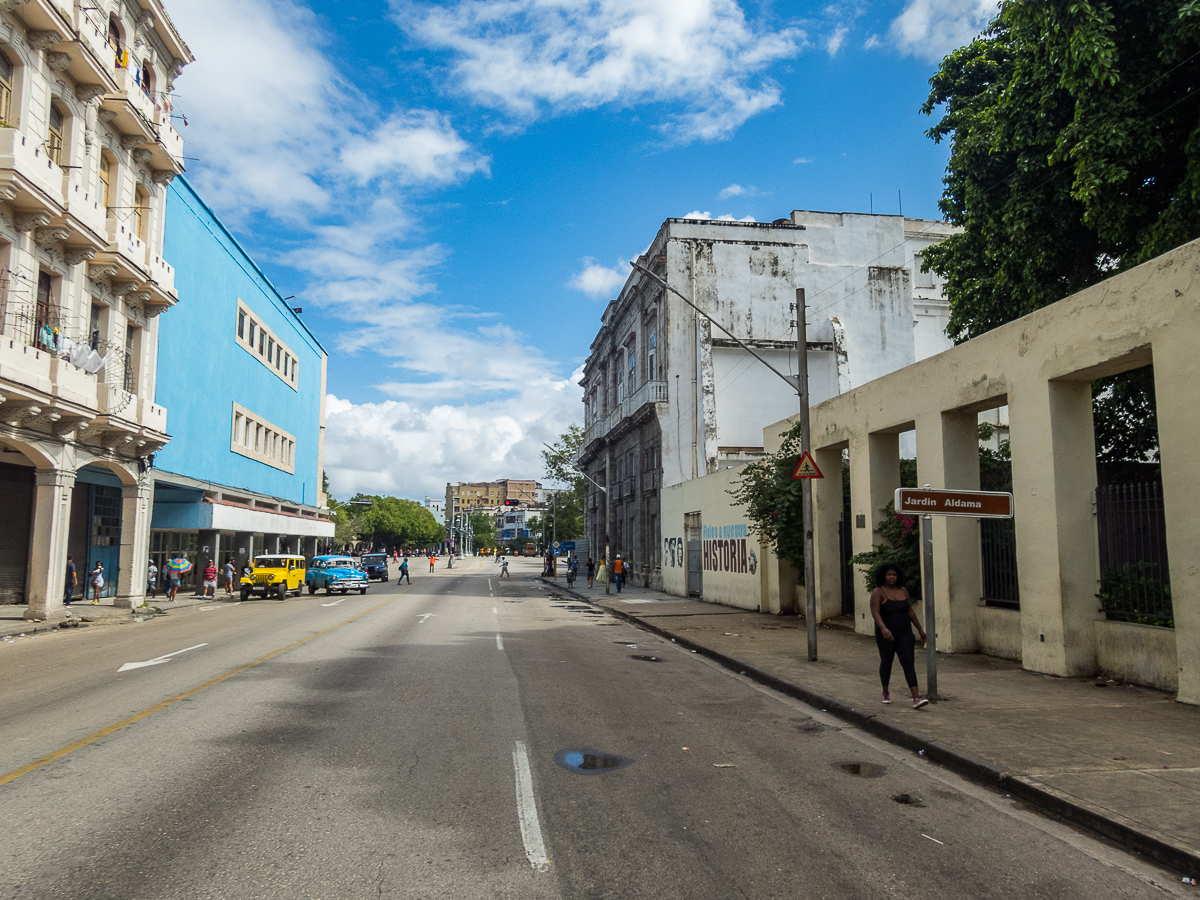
83 742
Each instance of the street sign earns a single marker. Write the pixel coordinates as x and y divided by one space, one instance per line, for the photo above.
556 545
807 468
566 546
972 504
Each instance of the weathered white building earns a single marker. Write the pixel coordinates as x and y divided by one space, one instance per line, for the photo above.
669 398
86 151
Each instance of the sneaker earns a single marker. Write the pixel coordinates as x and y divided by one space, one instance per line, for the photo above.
919 702
887 698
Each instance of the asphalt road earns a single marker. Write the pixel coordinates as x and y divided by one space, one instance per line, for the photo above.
407 743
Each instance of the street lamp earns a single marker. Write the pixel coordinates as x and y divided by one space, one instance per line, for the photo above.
799 384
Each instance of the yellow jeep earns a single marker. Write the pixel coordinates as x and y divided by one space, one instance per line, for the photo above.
273 574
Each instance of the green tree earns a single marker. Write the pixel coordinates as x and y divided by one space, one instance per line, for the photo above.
772 500
1075 151
568 503
484 527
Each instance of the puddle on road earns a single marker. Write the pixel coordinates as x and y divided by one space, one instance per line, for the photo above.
646 658
589 762
861 769
811 728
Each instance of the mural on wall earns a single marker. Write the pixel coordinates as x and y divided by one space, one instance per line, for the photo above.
725 549
674 553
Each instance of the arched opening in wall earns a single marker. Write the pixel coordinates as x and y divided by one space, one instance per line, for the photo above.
17 485
94 535
116 42
108 173
56 128
146 78
6 89
141 211
1131 527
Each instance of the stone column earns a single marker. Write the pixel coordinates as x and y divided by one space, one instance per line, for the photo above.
1179 445
243 548
948 458
827 514
136 504
48 543
309 548
874 477
1054 483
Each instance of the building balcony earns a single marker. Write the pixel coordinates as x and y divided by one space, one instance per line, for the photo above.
167 152
29 179
89 68
43 16
125 249
129 110
631 409
86 218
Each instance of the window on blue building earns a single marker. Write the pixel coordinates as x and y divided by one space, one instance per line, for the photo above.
241 324
253 328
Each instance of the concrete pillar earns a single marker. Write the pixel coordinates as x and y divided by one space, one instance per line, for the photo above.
309 548
135 544
48 544
242 549
827 514
208 547
948 458
1054 483
1179 446
874 477
782 580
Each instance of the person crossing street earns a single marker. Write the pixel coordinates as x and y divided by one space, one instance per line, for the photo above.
403 574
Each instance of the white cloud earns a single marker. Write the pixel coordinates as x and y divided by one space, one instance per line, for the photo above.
834 43
285 137
531 58
734 190
930 29
872 42
803 160
599 281
697 214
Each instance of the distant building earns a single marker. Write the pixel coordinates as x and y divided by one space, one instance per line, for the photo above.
242 474
668 397
512 523
436 505
475 494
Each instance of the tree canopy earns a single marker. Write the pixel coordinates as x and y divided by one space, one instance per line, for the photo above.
568 502
387 521
1075 151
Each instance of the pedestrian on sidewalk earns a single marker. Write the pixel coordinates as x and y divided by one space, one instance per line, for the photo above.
151 579
228 573
72 581
172 584
403 574
591 571
618 572
210 579
96 581
891 608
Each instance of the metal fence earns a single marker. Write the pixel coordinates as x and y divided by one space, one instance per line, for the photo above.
1135 580
998 552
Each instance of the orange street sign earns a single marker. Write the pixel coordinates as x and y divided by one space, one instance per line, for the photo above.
973 504
806 468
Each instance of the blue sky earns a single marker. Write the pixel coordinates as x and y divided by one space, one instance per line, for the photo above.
453 190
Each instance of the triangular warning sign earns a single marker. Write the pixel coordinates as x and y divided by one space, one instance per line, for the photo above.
806 468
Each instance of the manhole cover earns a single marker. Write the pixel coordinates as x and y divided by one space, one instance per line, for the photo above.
589 762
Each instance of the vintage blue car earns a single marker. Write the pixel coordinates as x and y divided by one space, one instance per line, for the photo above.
335 573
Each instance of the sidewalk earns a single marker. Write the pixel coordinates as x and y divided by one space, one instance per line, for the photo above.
13 623
1120 760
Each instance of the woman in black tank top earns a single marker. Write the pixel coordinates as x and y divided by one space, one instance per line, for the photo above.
894 617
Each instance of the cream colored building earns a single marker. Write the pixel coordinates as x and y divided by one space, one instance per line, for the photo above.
87 148
1041 367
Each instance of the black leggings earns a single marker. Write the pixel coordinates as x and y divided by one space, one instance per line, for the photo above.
903 646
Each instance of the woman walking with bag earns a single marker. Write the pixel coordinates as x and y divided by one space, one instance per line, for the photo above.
894 617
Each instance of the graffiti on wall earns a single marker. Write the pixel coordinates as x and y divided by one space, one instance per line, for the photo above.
725 549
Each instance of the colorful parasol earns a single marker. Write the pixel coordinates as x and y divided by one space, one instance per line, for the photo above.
180 565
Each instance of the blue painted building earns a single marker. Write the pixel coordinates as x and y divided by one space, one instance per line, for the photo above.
244 380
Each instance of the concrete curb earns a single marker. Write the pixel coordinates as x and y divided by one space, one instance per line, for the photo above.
958 761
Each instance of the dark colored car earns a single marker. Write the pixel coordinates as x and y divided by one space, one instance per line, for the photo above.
375 565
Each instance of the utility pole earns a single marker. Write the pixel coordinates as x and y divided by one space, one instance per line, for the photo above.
607 512
806 500
799 384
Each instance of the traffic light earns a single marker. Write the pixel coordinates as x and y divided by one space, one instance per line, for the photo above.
512 503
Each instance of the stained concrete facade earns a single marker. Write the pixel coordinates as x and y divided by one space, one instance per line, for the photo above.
86 153
670 398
